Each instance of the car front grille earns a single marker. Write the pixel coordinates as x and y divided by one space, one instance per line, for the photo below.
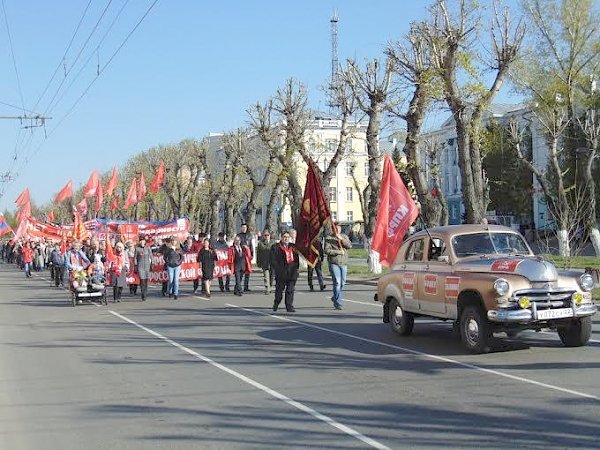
545 299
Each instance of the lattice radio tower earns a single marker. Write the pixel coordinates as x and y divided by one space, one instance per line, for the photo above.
335 76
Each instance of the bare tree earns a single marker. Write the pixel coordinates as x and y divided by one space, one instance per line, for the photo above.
412 61
374 93
453 41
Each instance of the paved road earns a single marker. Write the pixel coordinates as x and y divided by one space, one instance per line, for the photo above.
229 373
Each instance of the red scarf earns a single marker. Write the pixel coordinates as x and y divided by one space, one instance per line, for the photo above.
288 252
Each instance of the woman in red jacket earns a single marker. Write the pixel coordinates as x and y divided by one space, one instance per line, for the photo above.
27 255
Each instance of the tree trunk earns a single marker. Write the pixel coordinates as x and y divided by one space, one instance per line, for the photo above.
374 179
591 221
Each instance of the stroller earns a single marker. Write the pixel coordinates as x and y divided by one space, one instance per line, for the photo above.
88 285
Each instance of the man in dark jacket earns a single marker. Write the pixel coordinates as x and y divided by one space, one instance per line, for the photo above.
58 265
263 260
221 244
285 263
143 264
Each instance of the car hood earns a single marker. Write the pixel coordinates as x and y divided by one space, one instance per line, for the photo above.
532 268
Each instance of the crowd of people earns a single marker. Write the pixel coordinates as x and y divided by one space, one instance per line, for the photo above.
108 262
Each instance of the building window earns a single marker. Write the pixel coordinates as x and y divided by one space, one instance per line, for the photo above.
331 145
350 216
349 168
349 195
332 194
334 216
366 169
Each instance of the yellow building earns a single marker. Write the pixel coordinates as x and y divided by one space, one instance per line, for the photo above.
321 138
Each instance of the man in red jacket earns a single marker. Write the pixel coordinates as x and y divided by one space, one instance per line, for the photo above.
240 262
27 255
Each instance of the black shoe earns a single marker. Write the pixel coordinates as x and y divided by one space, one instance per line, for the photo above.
323 287
227 290
291 310
170 295
143 298
311 288
222 289
337 306
246 290
175 297
275 306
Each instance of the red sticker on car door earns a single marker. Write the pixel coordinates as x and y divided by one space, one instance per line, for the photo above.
430 282
451 287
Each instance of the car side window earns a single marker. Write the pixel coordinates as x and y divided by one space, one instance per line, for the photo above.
437 248
415 250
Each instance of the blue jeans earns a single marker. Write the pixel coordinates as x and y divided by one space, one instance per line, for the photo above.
27 268
338 278
173 287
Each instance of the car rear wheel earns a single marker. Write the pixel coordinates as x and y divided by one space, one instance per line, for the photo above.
475 330
577 333
402 322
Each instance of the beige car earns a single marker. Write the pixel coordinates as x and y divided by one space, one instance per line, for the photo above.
486 279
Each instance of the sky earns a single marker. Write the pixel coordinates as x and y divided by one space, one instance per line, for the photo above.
191 67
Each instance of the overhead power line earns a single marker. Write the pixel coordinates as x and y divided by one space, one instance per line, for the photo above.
12 52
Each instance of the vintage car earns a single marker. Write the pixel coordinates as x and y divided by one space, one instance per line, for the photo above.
486 279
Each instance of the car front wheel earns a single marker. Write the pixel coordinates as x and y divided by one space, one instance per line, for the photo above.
402 322
577 333
475 330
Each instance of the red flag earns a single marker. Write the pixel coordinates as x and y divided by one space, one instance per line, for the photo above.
132 195
22 198
50 217
114 205
141 187
99 197
82 207
313 215
396 213
112 183
79 231
158 178
92 185
24 212
65 193
110 254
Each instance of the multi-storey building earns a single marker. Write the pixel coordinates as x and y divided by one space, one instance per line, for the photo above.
449 170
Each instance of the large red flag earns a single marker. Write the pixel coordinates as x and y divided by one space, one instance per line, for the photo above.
313 215
22 198
92 185
82 207
65 193
141 187
79 231
24 212
112 183
99 198
132 195
50 217
114 204
396 213
158 178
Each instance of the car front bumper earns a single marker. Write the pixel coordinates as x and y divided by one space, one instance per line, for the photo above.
530 316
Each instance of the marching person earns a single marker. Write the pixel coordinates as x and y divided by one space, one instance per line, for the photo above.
336 246
317 268
221 244
143 264
173 258
162 249
240 262
130 249
75 258
119 266
246 240
27 258
263 260
286 264
58 265
207 258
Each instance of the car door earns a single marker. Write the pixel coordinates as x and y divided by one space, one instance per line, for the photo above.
432 278
412 266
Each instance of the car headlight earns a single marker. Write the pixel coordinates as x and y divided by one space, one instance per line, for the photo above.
586 282
501 287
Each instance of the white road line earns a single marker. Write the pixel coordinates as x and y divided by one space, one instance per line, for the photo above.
426 355
302 407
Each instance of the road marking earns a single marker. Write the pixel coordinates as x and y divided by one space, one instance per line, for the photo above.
302 407
426 355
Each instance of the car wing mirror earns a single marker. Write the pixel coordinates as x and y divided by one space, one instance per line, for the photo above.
444 258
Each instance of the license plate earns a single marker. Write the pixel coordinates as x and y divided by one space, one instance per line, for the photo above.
559 313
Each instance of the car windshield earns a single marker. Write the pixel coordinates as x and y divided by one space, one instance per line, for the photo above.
487 243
